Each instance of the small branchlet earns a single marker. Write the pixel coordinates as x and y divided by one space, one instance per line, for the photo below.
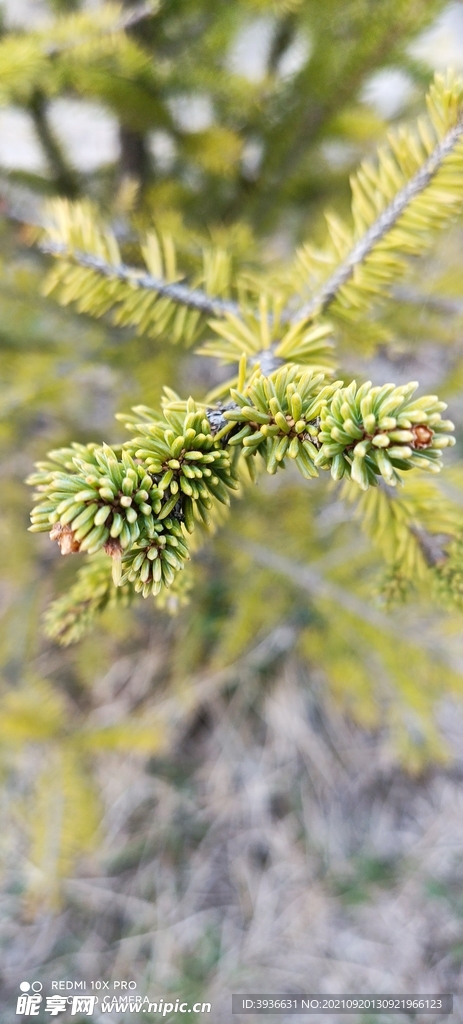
367 432
279 417
141 504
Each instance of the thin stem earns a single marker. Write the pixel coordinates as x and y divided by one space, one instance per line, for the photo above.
65 178
309 579
193 298
381 226
438 303
134 160
432 546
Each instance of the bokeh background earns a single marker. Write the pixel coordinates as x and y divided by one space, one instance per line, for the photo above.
263 791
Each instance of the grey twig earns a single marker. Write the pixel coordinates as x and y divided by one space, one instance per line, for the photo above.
65 177
312 581
180 293
438 303
432 545
267 359
381 226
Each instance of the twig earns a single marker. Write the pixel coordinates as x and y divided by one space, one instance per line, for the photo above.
66 180
193 298
19 207
432 546
315 584
381 226
439 303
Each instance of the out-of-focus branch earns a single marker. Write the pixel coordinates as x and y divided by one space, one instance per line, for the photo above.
432 546
193 298
134 160
381 226
314 583
65 177
438 303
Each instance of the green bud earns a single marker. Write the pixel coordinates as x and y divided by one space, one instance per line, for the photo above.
282 449
86 495
125 536
403 436
168 507
293 449
404 452
359 473
296 406
102 515
72 513
369 423
387 423
384 466
352 429
87 514
282 422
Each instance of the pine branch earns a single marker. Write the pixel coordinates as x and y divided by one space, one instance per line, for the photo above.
313 582
411 529
19 205
381 226
192 298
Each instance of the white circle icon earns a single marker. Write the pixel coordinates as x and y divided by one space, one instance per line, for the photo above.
24 986
36 986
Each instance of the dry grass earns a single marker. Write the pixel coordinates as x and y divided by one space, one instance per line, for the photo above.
275 847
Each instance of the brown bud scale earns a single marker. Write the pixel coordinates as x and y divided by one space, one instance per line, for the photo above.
65 538
113 547
423 435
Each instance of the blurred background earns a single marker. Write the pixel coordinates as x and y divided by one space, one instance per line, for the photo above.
263 791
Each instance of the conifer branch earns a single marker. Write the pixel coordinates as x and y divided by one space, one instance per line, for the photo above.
192 298
381 226
314 583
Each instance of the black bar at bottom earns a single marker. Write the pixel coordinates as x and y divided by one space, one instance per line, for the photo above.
288 1002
